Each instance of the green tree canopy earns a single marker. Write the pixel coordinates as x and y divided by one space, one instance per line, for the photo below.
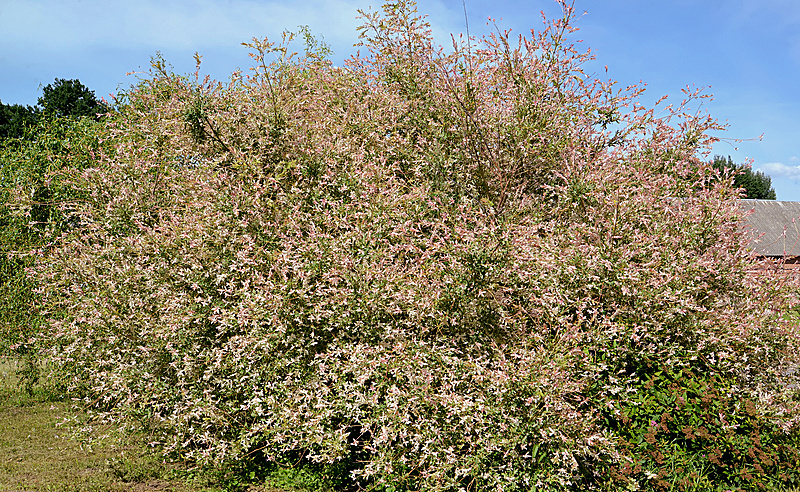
14 118
62 98
37 144
756 184
69 98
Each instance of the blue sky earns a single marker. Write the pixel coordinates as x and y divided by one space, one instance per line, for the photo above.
746 52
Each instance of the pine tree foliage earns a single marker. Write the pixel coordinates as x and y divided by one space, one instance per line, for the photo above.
68 97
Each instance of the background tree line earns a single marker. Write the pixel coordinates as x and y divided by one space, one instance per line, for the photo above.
62 98
756 184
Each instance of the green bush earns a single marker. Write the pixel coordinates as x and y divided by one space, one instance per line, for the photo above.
465 270
35 210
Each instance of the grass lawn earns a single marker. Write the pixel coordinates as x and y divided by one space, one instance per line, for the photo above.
39 450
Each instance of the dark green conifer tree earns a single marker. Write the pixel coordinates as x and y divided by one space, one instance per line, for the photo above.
756 184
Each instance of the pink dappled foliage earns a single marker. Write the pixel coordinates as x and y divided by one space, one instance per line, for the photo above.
413 259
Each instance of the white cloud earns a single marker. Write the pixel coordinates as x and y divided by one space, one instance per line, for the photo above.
780 169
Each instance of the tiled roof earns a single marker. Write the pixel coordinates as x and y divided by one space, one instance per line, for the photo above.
775 227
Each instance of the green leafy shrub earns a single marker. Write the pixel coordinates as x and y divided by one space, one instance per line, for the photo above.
35 210
442 270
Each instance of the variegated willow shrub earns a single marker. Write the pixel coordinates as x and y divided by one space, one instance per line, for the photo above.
469 268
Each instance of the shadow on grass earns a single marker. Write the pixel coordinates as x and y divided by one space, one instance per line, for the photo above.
46 444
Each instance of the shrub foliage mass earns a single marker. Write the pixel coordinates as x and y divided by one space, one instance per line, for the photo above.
471 268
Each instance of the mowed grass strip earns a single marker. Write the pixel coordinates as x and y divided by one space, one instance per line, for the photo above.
38 451
47 445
